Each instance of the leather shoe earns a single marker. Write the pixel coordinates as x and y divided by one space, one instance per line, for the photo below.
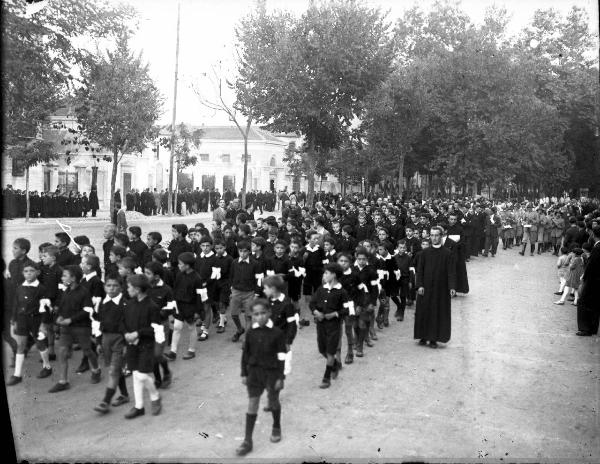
134 412
244 448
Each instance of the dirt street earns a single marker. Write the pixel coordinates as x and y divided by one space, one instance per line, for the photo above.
514 382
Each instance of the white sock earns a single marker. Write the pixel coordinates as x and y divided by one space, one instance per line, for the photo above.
45 355
19 360
222 319
193 337
177 326
149 384
138 389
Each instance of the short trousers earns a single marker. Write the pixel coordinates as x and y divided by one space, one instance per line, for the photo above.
27 324
140 357
70 335
240 302
261 379
185 312
328 336
311 282
222 293
113 351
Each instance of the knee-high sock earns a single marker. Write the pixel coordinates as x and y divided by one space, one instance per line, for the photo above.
123 386
138 389
177 327
193 337
19 360
45 355
149 384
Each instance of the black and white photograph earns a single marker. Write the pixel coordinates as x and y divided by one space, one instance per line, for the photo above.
301 230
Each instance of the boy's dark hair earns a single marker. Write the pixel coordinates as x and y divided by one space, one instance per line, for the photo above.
136 230
219 241
63 237
401 242
310 233
244 228
329 239
116 277
93 261
345 254
43 246
181 228
347 229
283 243
385 244
361 250
139 281
187 257
156 236
260 242
199 225
241 217
75 271
122 238
243 245
335 269
119 251
261 302
155 268
128 262
32 264
274 281
51 250
89 245
81 240
206 239
160 255
273 231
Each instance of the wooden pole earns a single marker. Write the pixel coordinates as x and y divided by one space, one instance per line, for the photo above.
172 157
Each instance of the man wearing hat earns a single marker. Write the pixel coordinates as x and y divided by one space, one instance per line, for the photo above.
530 224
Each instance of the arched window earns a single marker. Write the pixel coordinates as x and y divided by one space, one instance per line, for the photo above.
273 161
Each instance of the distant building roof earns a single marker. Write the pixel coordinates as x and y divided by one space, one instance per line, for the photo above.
229 133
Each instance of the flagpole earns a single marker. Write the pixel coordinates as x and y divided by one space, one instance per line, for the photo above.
172 156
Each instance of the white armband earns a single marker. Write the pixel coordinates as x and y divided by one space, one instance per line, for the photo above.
216 273
363 287
291 318
350 306
89 310
96 300
270 272
170 306
41 336
96 329
203 293
281 356
62 287
325 261
44 302
397 273
302 271
374 282
159 333
412 269
138 270
259 278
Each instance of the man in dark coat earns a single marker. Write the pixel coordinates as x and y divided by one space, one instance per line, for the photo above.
436 283
93 202
588 307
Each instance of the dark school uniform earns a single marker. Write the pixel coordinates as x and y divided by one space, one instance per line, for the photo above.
65 258
187 293
386 268
221 269
263 358
147 255
139 317
29 308
106 247
369 290
93 284
313 263
329 257
329 299
279 265
50 277
295 277
284 316
403 265
204 267
176 247
346 244
110 316
138 248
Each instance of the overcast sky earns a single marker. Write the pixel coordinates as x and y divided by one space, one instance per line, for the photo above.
207 38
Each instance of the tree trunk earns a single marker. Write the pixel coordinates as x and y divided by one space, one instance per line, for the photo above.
245 183
27 194
310 174
113 183
400 172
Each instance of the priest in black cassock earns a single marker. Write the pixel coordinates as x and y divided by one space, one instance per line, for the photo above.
436 283
455 241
